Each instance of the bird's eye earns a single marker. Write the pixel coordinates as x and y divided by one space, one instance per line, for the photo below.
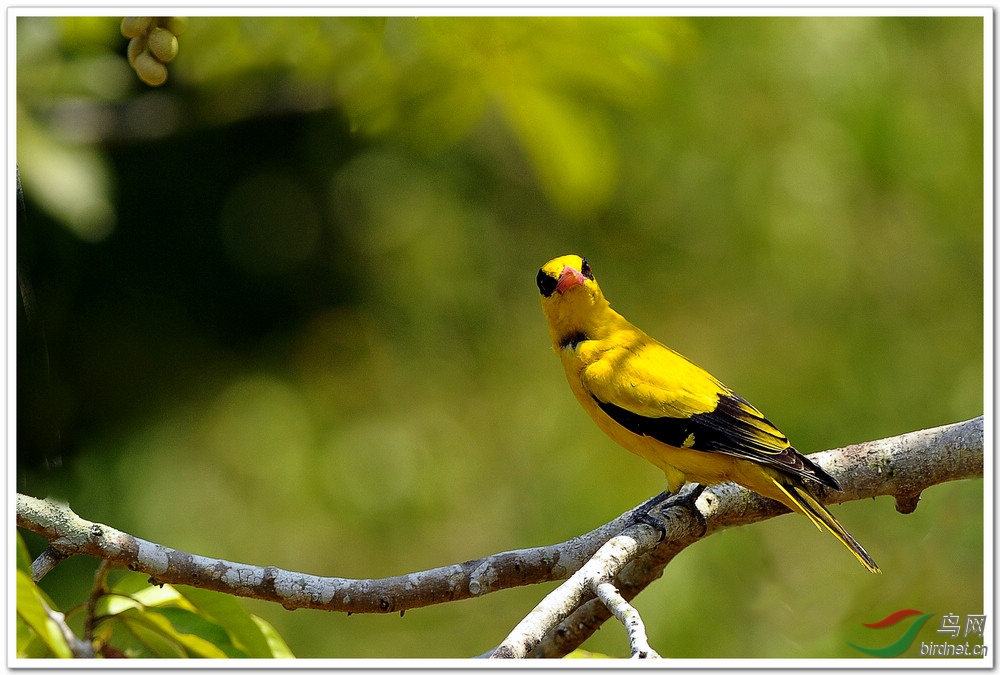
546 284
585 269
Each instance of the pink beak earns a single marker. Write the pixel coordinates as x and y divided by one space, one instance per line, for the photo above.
569 278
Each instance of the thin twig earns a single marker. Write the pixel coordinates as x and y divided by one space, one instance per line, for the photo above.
558 604
675 517
629 616
81 649
46 562
99 590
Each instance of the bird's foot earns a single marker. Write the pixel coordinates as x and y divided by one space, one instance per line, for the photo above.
654 505
659 506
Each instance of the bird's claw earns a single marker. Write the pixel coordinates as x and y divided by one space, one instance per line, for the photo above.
656 515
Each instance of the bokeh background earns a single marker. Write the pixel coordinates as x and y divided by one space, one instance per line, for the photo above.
282 309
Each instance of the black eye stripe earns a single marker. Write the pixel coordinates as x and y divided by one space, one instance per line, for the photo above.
546 284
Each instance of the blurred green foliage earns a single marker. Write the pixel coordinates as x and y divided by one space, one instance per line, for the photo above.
282 308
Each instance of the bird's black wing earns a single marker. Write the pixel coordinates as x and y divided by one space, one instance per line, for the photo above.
733 428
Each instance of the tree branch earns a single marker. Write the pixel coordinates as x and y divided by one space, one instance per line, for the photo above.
901 466
69 534
560 603
629 616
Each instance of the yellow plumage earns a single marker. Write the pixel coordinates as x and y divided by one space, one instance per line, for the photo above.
660 406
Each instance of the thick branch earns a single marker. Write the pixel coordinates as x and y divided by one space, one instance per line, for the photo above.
901 466
69 534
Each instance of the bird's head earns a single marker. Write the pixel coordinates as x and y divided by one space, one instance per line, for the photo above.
571 299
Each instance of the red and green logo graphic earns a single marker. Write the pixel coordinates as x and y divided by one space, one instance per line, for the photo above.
902 643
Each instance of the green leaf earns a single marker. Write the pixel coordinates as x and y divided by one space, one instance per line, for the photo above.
116 635
231 615
23 556
279 649
160 596
202 637
112 605
31 608
131 583
29 644
206 624
155 633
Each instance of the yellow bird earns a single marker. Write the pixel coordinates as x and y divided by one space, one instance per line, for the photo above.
660 406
